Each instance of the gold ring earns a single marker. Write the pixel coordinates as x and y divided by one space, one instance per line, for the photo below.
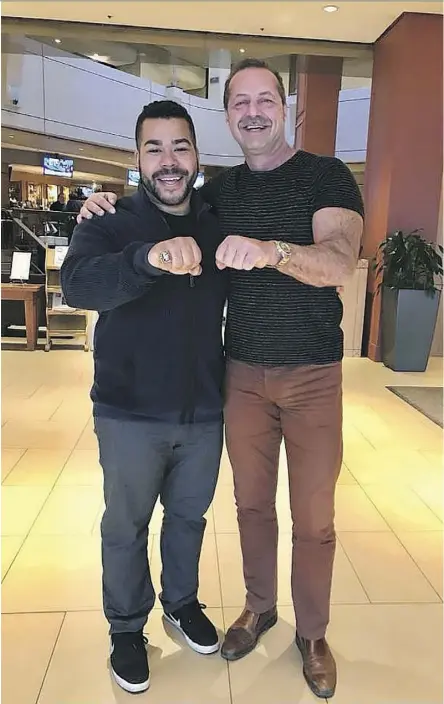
165 257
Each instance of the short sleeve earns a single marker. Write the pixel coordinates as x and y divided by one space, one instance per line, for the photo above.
336 187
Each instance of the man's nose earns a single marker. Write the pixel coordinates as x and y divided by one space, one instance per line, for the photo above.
169 159
253 109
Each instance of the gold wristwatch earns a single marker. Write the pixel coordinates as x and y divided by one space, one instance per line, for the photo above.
284 252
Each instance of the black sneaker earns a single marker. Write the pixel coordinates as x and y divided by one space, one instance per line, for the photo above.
129 661
196 628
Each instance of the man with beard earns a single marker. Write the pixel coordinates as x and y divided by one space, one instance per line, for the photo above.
292 223
150 271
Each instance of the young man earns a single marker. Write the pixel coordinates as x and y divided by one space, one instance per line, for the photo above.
150 271
292 223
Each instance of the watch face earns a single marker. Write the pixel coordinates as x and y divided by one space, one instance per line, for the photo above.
285 248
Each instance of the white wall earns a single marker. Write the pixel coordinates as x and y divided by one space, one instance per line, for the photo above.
76 98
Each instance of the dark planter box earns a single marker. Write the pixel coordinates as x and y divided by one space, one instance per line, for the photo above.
408 323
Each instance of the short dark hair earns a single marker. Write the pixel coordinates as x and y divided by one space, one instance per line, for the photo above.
164 110
253 63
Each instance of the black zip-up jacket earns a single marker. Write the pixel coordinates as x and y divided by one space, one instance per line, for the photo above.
158 342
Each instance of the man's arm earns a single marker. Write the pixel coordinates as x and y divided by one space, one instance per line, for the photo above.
94 276
333 257
337 226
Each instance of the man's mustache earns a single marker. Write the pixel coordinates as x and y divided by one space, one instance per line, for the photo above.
254 122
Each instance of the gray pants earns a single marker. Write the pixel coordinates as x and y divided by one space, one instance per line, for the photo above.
142 461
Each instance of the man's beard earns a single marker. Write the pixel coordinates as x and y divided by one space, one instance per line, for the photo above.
151 186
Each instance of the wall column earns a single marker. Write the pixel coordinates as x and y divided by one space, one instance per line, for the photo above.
403 176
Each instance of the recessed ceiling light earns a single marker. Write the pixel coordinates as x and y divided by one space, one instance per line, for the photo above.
58 41
96 57
80 149
331 8
242 51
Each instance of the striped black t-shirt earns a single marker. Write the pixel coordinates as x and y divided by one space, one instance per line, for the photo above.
273 319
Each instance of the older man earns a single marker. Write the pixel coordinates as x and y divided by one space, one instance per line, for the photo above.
292 223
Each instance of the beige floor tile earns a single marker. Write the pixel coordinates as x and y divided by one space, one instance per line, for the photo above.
355 512
88 438
41 435
209 588
225 471
79 671
27 644
10 547
435 458
224 509
80 407
82 469
70 510
20 507
272 673
38 468
402 508
385 569
9 460
31 409
426 548
432 493
395 464
230 569
388 654
57 573
346 477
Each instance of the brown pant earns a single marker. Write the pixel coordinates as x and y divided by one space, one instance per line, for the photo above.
304 406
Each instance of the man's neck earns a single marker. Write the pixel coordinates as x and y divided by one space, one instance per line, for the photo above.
270 161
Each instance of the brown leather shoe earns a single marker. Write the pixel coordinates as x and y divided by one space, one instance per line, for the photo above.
244 634
319 666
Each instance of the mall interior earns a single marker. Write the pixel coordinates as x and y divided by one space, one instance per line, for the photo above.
364 82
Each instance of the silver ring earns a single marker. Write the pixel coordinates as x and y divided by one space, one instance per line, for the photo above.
165 257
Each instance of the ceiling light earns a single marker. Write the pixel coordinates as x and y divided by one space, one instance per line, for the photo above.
11 136
331 8
58 41
96 57
242 51
80 149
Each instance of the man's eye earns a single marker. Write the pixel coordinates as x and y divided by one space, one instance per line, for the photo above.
153 151
182 149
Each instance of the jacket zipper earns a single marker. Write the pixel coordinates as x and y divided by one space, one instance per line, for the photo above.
187 414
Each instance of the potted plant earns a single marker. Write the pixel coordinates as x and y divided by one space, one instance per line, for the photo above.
410 272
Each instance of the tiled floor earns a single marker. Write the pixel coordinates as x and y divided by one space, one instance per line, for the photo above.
386 626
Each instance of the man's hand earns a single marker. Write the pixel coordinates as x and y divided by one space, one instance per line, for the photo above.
97 204
238 252
180 255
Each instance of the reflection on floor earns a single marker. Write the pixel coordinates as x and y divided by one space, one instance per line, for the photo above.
386 615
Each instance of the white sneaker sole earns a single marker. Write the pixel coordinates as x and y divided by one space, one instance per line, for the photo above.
201 649
129 686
